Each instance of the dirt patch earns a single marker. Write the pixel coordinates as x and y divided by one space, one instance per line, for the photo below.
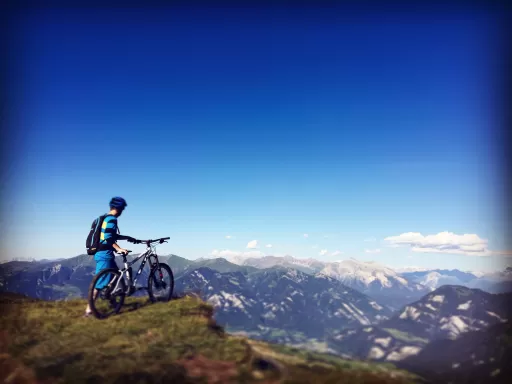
13 371
215 371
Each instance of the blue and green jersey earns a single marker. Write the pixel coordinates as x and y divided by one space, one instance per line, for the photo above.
108 237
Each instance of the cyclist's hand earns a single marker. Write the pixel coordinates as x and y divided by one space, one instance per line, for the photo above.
131 240
122 250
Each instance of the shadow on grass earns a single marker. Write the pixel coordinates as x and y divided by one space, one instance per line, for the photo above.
204 310
173 374
56 369
130 307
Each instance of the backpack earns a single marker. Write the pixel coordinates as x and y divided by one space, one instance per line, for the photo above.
93 239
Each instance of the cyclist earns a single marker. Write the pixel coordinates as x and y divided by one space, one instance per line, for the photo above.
104 258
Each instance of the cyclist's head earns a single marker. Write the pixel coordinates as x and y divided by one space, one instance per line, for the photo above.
118 204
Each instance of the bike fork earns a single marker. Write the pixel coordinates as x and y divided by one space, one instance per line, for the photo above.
160 283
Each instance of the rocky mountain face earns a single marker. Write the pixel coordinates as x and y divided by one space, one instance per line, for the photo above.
497 282
218 264
446 313
49 280
29 259
483 356
282 304
310 266
370 278
394 288
377 281
459 276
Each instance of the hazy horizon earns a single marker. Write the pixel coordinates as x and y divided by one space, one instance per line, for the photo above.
406 268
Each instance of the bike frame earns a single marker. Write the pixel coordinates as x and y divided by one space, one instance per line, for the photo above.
145 256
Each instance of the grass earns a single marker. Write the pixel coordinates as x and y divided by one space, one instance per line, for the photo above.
49 342
70 290
463 292
331 359
404 336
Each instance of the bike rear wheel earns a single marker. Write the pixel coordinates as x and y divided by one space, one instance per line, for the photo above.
160 283
104 302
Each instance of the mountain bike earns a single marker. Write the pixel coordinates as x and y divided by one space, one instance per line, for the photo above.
109 288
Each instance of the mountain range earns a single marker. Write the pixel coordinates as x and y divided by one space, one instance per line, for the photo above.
282 304
446 313
496 282
370 277
359 310
393 287
376 280
475 357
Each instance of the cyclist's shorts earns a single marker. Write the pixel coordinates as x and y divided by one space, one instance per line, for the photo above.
100 266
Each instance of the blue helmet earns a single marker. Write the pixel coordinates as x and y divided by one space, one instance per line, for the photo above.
118 203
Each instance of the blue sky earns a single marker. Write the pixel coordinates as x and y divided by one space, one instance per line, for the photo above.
258 124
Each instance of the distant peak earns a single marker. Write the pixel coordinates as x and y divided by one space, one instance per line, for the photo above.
452 288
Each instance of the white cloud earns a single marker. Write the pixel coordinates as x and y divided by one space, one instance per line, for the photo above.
252 244
444 242
306 235
228 237
323 252
336 253
370 240
372 250
268 245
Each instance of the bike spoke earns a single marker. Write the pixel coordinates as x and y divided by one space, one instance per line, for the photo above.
162 284
108 299
105 304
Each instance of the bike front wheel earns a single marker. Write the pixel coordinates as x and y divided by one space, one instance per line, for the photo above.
104 298
160 283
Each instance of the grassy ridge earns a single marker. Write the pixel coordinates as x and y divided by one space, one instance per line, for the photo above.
404 336
49 342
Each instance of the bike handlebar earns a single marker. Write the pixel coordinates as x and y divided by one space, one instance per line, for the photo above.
122 253
161 240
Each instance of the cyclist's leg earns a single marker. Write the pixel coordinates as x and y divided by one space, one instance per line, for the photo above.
100 266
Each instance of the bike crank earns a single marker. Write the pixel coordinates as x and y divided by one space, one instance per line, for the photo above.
132 289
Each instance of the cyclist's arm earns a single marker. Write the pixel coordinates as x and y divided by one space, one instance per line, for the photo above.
116 236
117 247
123 237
